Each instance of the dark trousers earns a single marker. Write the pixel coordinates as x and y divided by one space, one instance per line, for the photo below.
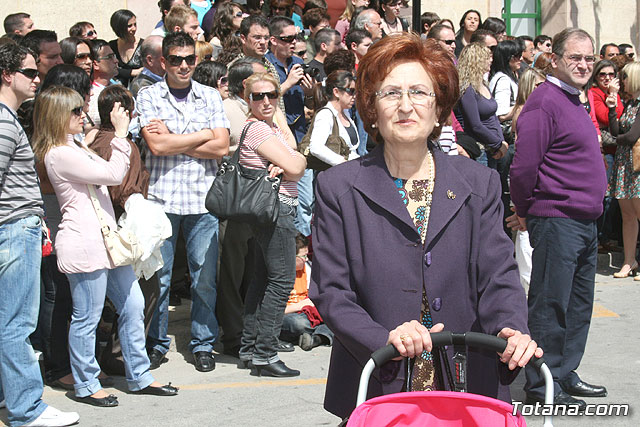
503 166
237 250
53 320
268 293
560 296
296 324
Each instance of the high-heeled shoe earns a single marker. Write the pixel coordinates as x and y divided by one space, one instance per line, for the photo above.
626 273
276 369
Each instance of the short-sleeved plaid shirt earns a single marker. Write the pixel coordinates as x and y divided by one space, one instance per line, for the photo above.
181 182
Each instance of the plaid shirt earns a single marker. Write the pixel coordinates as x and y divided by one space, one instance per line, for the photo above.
181 182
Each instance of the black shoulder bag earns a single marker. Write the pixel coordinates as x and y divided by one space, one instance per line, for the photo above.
243 194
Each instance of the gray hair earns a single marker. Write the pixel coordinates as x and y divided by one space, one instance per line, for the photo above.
362 19
152 45
560 39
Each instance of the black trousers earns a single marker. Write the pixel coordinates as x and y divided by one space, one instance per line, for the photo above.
560 296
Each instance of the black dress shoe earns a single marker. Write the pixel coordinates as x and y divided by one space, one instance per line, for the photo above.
59 384
103 402
583 389
156 358
560 399
204 361
284 347
277 369
165 390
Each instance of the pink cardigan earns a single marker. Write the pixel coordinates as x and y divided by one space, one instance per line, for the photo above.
79 243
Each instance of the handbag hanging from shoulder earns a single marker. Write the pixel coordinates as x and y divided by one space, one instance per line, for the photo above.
334 142
121 244
243 194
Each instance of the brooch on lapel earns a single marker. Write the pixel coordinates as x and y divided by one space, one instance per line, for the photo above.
451 194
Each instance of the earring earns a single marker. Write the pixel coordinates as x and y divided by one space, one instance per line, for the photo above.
373 126
436 124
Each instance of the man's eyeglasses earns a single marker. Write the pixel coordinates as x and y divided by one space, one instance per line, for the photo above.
416 96
259 38
348 90
448 42
83 55
287 39
77 111
609 75
577 59
259 96
30 73
176 60
301 53
109 57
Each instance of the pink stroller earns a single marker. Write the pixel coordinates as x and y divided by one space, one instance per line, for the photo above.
441 408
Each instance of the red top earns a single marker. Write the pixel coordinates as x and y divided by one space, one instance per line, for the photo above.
601 109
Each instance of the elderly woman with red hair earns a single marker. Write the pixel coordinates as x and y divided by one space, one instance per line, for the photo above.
408 241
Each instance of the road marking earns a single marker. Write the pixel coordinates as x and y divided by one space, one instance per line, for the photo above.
600 311
262 383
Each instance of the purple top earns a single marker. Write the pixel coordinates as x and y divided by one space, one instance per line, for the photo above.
477 115
557 170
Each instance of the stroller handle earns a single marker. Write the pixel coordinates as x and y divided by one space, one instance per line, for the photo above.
440 339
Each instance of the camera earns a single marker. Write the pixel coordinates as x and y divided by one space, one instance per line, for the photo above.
310 71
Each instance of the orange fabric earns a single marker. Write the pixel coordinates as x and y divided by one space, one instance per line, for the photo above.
300 290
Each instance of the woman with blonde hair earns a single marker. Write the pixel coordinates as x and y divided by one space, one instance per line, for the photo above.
265 146
624 182
79 178
204 51
476 109
344 21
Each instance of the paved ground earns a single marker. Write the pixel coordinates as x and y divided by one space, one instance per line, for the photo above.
231 397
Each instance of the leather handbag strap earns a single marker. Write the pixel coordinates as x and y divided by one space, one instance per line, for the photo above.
104 227
235 159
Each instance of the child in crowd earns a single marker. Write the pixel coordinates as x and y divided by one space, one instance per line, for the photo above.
302 322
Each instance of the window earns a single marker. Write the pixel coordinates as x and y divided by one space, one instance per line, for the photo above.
523 17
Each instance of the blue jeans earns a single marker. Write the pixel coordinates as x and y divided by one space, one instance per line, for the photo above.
88 291
305 200
201 238
296 324
268 294
20 379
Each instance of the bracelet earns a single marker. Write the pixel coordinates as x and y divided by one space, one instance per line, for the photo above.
121 137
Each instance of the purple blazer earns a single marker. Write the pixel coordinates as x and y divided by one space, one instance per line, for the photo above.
369 269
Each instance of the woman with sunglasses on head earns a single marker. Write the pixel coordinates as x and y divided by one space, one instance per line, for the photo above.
75 171
76 51
265 146
335 95
127 46
624 182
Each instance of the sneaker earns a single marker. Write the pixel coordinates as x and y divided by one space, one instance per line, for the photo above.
51 417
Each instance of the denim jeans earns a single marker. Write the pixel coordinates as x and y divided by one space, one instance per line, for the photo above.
306 200
201 238
20 379
268 294
88 291
296 324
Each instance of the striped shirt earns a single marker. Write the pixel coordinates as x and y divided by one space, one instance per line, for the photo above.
258 133
19 188
181 182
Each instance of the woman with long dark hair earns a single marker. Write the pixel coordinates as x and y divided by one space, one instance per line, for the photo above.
126 46
226 23
469 23
503 79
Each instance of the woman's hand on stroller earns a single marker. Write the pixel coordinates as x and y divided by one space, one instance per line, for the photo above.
520 348
411 338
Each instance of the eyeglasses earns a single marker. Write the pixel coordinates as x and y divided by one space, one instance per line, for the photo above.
91 33
260 38
223 81
83 55
259 96
77 111
238 15
176 60
30 73
286 39
301 53
348 90
207 57
448 42
110 56
548 44
577 59
416 96
630 54
603 75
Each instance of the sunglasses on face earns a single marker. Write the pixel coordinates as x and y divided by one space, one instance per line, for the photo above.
82 55
77 111
259 96
630 54
348 90
108 57
238 15
207 57
548 44
603 75
176 60
30 73
448 42
301 53
91 33
223 80
286 39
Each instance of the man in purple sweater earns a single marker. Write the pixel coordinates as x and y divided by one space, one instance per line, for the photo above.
558 182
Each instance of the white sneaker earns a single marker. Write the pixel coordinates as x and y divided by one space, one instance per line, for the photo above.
51 417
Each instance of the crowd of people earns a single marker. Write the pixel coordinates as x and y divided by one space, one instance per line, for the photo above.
454 147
